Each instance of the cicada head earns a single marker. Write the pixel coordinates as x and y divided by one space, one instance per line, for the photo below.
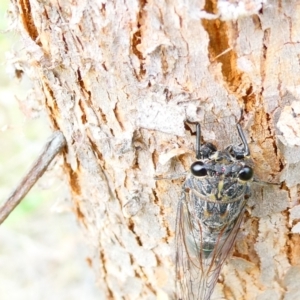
221 176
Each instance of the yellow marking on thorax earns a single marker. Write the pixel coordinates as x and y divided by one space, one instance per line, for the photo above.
220 186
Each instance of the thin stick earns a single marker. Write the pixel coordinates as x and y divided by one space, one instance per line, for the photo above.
54 145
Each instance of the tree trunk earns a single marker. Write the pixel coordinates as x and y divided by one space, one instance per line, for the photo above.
121 78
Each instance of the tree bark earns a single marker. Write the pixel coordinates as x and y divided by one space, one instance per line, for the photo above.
121 78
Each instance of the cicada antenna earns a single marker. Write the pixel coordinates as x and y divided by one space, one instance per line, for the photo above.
198 141
243 138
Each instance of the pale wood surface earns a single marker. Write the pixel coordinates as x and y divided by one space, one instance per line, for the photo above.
119 79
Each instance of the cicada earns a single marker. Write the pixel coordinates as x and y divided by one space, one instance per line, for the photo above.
209 215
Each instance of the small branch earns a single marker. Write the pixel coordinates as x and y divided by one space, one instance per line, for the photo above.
54 145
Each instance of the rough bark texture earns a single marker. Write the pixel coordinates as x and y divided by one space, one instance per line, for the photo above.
119 79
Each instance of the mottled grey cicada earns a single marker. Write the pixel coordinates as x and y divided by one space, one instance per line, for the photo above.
209 215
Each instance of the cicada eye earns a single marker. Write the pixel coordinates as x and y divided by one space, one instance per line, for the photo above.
198 169
246 173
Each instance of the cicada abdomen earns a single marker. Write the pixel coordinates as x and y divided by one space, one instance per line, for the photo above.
209 215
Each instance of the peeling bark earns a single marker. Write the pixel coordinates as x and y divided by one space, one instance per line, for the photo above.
120 78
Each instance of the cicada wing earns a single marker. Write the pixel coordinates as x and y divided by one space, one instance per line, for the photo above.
187 273
221 252
198 265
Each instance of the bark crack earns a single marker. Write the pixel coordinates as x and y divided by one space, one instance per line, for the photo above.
221 51
28 21
137 37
